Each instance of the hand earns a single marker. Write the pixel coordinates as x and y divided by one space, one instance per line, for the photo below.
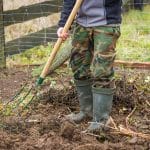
64 36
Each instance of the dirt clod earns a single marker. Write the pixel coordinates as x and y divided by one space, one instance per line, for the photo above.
67 130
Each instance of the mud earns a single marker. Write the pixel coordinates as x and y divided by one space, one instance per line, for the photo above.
43 127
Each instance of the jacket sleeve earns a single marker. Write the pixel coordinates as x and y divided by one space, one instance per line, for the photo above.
67 8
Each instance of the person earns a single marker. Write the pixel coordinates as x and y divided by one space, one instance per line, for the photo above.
95 34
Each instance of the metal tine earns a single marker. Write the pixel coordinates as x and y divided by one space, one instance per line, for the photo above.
13 98
17 94
26 106
22 99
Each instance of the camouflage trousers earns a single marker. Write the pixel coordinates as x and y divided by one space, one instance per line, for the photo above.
93 53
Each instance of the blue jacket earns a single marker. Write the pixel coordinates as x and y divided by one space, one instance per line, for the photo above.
93 12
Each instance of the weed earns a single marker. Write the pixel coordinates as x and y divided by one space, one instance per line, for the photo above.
134 43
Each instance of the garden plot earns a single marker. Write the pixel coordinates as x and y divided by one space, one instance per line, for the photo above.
42 125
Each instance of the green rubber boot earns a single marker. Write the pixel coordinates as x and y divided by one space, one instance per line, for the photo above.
84 92
102 104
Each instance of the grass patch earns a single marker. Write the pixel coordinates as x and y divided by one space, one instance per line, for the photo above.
36 55
134 43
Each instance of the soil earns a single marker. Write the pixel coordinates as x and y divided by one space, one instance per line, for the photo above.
43 127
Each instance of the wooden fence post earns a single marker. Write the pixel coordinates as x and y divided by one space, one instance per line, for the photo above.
2 38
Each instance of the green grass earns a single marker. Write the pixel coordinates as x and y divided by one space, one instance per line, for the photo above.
134 43
37 55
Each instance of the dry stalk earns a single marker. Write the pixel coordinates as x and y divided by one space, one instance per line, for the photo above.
125 131
129 116
114 124
148 103
92 134
87 146
132 133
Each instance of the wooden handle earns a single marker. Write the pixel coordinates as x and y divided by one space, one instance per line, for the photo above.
59 41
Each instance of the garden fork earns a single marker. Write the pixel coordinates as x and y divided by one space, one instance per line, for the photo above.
25 96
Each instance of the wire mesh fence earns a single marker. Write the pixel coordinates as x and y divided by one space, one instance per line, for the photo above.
30 25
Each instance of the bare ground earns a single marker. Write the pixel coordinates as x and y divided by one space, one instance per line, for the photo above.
43 126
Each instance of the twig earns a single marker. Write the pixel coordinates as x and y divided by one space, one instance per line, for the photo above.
122 130
91 134
148 103
114 124
26 65
132 133
86 146
129 116
127 64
